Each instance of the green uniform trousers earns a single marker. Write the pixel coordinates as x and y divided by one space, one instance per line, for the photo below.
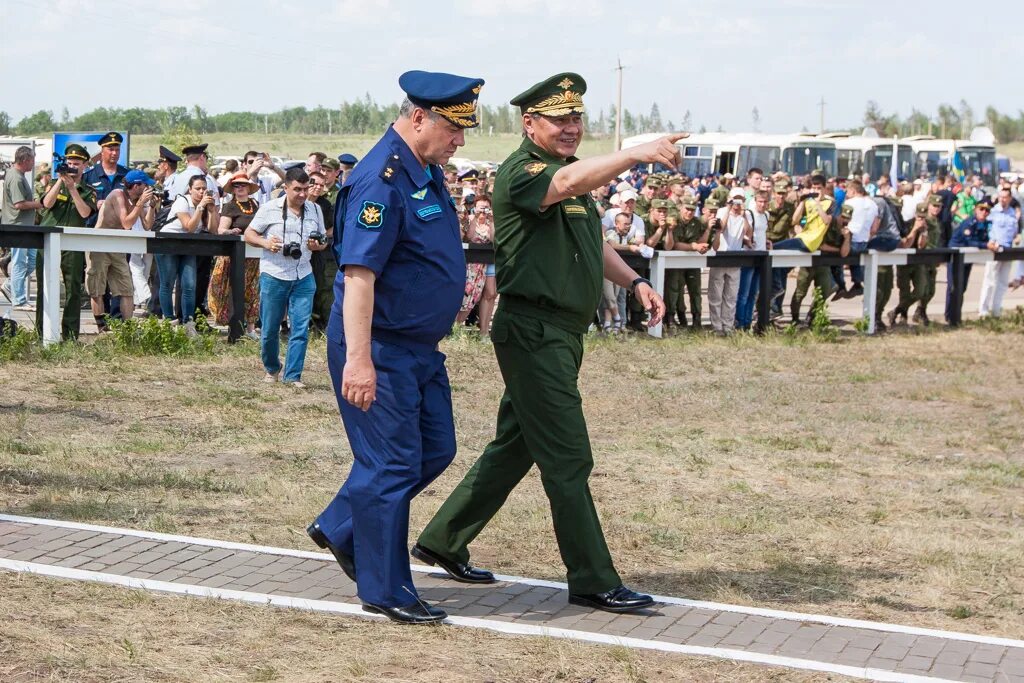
325 270
822 279
930 275
885 279
912 281
675 305
540 421
72 272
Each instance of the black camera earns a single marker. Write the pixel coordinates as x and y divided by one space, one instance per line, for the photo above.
60 165
293 249
318 237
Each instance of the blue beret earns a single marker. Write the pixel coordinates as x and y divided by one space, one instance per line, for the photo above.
347 158
453 97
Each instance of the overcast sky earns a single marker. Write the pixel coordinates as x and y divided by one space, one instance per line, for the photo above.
716 59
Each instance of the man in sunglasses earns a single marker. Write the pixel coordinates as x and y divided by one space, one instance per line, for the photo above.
252 163
972 232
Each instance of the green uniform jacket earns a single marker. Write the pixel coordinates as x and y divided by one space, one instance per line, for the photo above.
689 231
780 222
63 211
550 263
934 240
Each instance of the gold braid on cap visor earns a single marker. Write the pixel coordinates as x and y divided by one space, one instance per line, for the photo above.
462 114
568 102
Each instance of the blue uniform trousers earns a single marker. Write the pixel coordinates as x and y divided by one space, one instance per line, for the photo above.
401 444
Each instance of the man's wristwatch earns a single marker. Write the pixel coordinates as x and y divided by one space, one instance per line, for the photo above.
639 280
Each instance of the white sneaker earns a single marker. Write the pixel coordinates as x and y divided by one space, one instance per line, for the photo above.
297 384
190 329
269 379
254 335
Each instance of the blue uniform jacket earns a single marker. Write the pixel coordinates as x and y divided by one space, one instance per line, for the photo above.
397 219
970 233
102 185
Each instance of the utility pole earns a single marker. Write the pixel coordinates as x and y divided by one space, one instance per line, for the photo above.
821 104
266 126
330 125
618 109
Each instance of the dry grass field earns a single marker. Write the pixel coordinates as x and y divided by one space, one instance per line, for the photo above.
871 478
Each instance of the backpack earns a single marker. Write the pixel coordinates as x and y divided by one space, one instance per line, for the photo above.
163 215
891 217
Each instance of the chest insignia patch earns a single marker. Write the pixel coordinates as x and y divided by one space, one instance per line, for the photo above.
428 211
575 210
420 194
371 216
535 167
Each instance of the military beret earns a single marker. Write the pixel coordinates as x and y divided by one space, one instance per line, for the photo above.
195 149
347 158
168 155
111 138
76 151
661 204
558 95
331 163
846 211
453 97
935 200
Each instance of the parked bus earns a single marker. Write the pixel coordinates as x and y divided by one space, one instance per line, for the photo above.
871 154
934 156
737 152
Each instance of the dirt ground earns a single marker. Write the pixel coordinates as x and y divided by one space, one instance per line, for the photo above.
873 478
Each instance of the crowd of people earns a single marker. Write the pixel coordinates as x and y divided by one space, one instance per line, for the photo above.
641 213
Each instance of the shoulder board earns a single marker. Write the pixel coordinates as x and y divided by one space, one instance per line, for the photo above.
391 166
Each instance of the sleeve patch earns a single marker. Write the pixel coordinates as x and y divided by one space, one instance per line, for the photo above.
371 216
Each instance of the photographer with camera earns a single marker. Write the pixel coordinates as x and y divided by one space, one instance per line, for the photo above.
68 202
289 229
325 266
195 211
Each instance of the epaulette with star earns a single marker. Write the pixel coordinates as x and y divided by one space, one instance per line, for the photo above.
391 166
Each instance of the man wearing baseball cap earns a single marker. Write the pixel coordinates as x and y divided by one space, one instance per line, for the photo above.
132 207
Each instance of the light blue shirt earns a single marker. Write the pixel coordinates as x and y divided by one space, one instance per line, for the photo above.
1004 225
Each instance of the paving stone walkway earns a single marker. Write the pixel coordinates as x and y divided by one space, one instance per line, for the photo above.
864 649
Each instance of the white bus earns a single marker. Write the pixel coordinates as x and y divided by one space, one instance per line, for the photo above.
736 153
933 156
871 154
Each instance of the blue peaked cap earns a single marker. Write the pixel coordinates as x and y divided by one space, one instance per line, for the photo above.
453 97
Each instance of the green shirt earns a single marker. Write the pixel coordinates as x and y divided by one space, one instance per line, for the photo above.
780 221
63 211
689 231
934 240
643 207
550 263
833 236
650 229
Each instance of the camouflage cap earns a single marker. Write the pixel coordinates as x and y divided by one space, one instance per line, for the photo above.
782 186
712 203
661 204
922 209
846 211
934 200
654 181
689 202
676 179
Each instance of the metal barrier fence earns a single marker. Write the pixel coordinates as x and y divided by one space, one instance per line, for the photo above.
52 240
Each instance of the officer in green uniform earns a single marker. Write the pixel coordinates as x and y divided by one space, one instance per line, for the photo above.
550 260
642 207
68 202
929 272
658 229
836 241
689 234
912 280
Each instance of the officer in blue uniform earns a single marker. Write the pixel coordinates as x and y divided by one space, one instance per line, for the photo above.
107 174
972 232
399 287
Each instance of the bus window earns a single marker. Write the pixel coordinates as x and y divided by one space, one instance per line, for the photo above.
697 160
765 158
804 159
848 163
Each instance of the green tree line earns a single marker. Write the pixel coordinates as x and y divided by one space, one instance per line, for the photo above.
365 116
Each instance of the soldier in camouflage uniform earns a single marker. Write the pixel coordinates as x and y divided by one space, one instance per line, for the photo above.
647 195
689 234
934 240
837 241
912 280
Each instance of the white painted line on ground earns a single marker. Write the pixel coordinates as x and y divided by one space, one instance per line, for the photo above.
53 571
696 604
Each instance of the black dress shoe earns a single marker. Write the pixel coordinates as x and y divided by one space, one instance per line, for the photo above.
348 564
416 613
619 599
465 573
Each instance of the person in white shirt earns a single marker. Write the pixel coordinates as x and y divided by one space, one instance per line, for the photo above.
862 226
195 211
289 229
627 204
626 237
750 276
723 283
